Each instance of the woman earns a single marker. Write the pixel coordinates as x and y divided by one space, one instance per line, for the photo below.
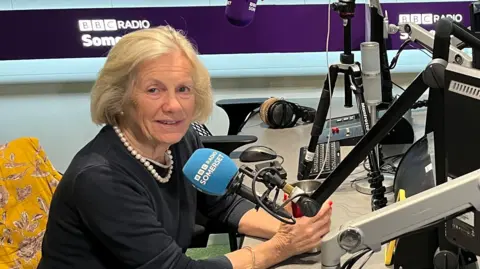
123 201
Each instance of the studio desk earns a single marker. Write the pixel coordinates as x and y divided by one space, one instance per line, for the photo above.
347 202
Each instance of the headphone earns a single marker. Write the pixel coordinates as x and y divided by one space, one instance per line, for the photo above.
278 113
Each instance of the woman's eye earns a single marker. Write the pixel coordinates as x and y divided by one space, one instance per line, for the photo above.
152 90
184 89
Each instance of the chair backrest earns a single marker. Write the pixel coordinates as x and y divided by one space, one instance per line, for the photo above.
27 183
201 129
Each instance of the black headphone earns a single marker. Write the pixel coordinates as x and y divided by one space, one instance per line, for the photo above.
278 113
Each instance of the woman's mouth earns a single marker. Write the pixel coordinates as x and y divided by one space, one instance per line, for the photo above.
170 122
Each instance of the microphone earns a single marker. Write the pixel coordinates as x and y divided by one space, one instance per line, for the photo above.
371 73
210 171
214 173
372 82
240 13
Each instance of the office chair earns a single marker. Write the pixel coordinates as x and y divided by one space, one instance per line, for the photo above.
204 226
237 110
223 143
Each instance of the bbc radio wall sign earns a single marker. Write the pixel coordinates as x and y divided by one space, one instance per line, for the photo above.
426 20
87 33
426 15
105 32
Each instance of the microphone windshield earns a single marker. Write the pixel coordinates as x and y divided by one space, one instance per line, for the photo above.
240 12
371 72
210 171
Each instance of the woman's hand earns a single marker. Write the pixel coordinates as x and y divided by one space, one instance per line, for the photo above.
306 234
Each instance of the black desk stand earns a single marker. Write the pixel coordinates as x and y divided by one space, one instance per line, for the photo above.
353 83
432 77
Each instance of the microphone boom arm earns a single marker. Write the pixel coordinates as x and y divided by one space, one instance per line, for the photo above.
370 231
425 38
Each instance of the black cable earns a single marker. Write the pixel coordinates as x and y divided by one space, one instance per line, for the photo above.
388 165
393 64
398 86
394 61
370 254
352 260
423 49
420 104
260 202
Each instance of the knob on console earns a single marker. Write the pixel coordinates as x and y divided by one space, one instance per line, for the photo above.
445 259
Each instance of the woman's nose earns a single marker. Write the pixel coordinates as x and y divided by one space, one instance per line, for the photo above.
172 104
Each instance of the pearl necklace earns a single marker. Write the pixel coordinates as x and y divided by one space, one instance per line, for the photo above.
145 161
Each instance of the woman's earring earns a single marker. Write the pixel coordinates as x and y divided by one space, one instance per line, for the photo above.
121 113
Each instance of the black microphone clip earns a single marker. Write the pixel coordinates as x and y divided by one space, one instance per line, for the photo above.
271 181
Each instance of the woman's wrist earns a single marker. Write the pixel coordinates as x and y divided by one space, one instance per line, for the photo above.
274 249
261 256
279 247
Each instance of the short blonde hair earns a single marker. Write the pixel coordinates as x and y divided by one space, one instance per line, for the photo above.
111 89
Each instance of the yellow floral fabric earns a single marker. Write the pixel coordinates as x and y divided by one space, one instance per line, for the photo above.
27 183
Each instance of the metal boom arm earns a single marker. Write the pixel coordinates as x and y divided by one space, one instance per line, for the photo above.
372 230
425 39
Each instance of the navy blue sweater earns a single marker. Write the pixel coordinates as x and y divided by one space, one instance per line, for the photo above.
109 212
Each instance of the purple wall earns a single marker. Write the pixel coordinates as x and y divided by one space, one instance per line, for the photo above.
48 34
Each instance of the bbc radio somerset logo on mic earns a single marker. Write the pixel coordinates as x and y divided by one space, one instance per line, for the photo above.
425 19
207 168
89 28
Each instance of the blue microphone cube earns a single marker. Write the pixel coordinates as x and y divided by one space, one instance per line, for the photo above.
210 171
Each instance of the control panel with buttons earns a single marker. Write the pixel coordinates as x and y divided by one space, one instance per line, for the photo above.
346 129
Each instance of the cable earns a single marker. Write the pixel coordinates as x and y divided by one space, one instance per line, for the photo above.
398 86
388 165
393 64
420 104
429 53
281 159
394 61
265 195
352 260
366 260
407 42
327 42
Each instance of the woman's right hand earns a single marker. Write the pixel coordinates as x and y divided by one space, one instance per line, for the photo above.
306 233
